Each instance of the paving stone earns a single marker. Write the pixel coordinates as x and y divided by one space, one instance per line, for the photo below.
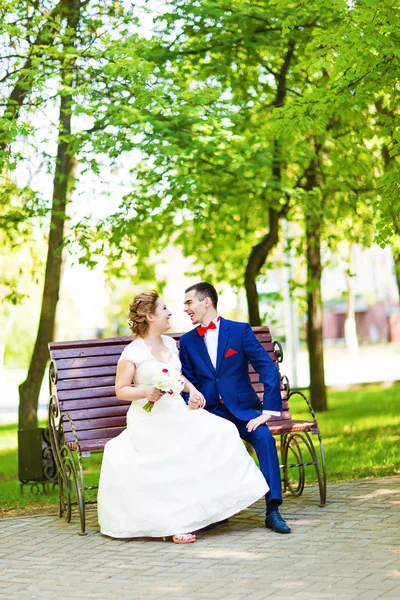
348 550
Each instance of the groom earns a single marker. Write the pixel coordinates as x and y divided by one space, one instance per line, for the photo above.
215 359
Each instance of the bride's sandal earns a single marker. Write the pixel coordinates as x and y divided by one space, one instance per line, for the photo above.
184 538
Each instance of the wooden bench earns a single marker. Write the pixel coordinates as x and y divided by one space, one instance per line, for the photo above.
84 414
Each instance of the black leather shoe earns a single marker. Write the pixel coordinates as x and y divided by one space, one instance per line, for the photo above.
277 523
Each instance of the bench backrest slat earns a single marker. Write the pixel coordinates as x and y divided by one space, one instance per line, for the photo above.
99 412
86 382
81 352
93 403
95 434
87 362
64 395
100 423
87 372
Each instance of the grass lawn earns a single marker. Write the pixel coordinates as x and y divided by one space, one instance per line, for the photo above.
360 433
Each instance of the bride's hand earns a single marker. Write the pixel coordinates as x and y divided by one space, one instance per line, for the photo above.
196 400
153 394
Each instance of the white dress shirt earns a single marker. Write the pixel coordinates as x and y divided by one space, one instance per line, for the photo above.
211 341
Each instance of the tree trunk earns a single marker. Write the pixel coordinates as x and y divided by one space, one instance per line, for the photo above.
260 252
313 218
64 174
256 261
314 314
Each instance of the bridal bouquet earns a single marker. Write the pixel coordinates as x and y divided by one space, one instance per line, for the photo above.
169 381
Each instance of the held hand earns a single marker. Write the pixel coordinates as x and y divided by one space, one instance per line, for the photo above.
254 423
196 400
153 394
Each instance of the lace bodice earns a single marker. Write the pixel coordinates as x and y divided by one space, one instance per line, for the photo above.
147 365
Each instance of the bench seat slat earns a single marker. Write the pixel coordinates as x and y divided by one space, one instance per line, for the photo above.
85 425
291 425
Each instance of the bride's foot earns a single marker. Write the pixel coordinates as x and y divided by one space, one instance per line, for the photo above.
184 538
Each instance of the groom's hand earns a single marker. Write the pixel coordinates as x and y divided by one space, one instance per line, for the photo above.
196 400
254 423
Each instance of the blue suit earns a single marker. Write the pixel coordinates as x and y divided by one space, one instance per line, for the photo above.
230 381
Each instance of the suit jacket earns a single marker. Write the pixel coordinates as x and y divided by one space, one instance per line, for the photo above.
230 380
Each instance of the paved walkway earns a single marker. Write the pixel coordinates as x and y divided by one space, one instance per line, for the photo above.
349 549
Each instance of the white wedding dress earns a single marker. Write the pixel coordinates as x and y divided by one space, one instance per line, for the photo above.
173 470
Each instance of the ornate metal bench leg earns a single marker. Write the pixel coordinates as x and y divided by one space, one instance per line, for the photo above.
319 465
61 507
75 472
81 499
66 483
294 446
55 435
320 475
284 453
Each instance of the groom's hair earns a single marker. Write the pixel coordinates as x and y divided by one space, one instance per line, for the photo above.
205 290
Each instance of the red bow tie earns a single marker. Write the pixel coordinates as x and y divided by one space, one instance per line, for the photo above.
202 330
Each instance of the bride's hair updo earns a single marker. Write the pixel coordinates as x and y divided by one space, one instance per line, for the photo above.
143 304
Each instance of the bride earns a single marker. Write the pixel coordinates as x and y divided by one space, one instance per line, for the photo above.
173 470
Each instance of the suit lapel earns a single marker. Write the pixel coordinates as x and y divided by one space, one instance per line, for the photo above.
223 337
200 344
